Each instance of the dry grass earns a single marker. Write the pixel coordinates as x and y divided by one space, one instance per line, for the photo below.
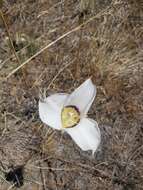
108 48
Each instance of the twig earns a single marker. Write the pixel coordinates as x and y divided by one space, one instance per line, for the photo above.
19 51
135 153
3 63
4 179
5 126
11 186
46 12
10 40
33 181
42 175
50 168
55 41
43 49
78 54
61 70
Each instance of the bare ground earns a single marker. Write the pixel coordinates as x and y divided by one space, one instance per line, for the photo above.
108 48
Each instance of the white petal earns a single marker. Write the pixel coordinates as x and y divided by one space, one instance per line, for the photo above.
83 96
86 134
50 110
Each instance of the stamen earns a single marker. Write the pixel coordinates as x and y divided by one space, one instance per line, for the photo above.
70 116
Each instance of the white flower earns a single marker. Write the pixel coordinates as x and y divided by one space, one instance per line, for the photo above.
68 112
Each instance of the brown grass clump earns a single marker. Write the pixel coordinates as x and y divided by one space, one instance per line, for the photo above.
107 48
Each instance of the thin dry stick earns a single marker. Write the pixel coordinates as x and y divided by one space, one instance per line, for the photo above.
10 40
55 77
78 55
42 176
135 153
50 168
46 12
50 137
3 63
4 179
55 41
43 49
38 79
11 187
5 126
33 181
60 71
19 51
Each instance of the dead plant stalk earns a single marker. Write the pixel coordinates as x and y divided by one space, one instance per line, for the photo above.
55 41
9 37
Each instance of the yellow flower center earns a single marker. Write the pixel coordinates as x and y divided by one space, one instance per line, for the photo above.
70 116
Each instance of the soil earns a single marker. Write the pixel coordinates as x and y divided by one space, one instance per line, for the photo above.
108 48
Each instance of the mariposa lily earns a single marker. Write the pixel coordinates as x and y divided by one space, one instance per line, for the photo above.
68 112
